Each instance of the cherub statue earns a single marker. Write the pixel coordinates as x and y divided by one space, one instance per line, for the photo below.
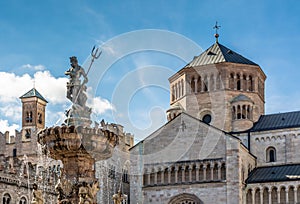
37 195
85 194
118 197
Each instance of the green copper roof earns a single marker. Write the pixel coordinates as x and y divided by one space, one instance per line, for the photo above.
34 93
218 53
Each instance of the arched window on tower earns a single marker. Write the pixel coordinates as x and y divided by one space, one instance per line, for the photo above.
239 112
40 116
244 84
6 199
238 82
179 89
28 118
248 113
250 84
193 85
182 88
233 113
271 154
199 84
212 83
173 92
205 84
231 81
244 112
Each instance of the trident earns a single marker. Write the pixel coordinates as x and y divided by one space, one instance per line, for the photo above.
95 55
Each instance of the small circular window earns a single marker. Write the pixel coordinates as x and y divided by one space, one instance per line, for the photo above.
206 118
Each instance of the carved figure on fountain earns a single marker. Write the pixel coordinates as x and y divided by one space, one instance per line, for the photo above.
37 195
79 114
118 197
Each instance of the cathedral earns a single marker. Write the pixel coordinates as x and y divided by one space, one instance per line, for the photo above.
218 145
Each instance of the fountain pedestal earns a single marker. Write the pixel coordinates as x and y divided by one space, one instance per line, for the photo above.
78 148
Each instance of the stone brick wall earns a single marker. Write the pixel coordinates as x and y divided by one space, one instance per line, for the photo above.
285 141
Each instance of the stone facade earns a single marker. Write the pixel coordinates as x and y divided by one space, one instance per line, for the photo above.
113 173
22 163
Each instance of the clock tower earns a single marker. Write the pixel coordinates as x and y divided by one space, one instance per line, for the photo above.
33 113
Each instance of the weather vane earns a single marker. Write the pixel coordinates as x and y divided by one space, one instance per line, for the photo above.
217 28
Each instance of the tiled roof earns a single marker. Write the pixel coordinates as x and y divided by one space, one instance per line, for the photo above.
275 173
277 121
33 93
218 53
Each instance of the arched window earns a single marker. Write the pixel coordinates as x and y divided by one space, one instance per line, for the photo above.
250 84
257 196
173 93
6 199
271 154
249 197
244 84
244 112
205 84
176 91
193 85
185 198
179 90
266 195
199 84
223 172
212 83
238 82
182 87
233 113
28 118
239 112
231 81
248 112
23 200
282 195
40 118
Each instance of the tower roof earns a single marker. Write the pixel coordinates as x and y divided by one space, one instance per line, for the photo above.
218 53
241 97
33 93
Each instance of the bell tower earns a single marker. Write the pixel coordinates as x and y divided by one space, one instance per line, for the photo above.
33 113
219 87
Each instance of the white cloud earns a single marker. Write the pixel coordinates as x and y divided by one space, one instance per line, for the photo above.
12 111
33 67
4 126
53 89
13 86
100 105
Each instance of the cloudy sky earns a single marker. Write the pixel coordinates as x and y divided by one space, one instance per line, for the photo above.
143 43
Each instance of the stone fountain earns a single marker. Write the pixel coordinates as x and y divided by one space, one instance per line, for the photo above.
77 144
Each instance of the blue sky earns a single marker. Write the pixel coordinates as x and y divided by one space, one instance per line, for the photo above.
131 88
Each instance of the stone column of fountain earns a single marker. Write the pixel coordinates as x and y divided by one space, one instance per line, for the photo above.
77 144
